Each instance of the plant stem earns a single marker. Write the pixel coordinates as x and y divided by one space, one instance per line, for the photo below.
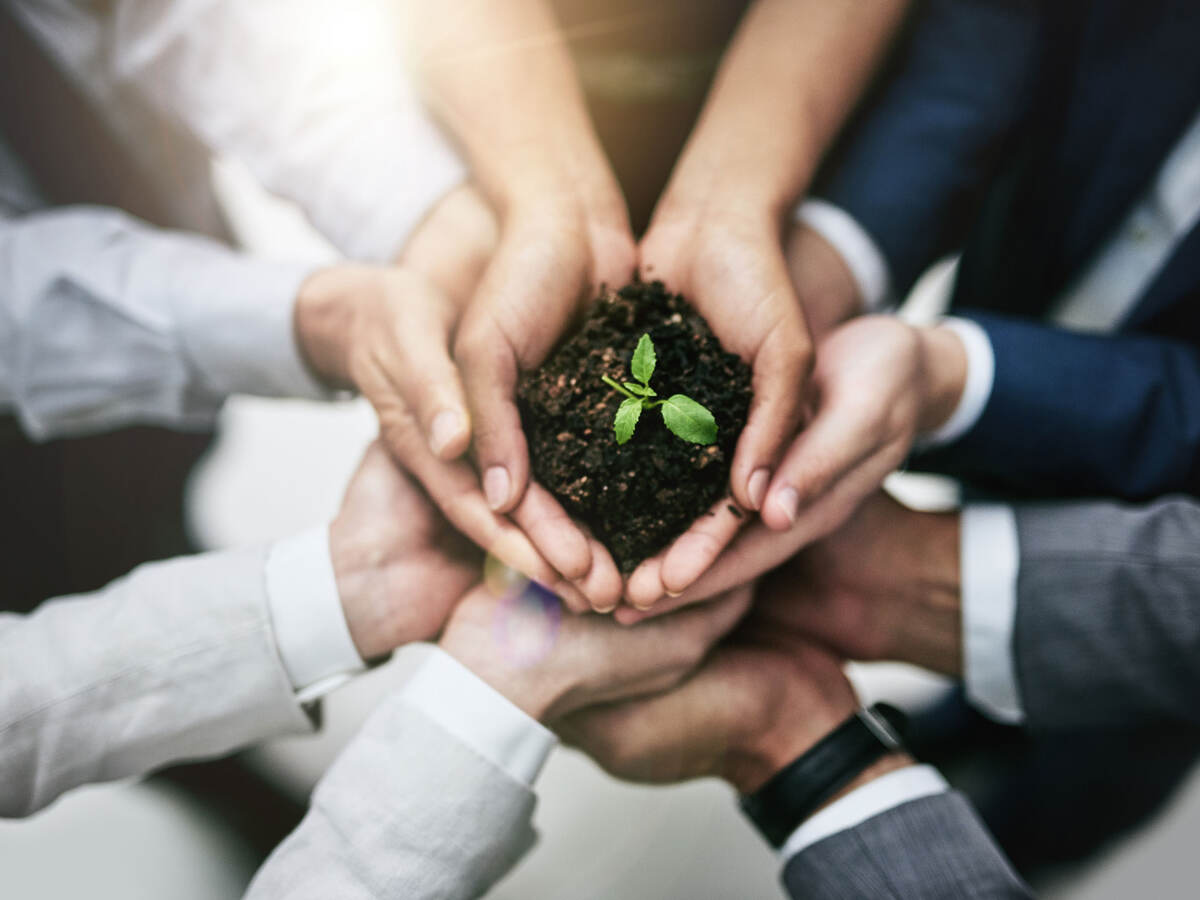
619 387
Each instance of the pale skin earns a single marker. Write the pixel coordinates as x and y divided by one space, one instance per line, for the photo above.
784 88
386 331
878 383
500 77
587 659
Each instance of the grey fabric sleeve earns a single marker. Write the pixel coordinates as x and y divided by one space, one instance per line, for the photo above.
934 848
1107 629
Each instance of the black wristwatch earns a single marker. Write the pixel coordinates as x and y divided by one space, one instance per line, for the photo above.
796 792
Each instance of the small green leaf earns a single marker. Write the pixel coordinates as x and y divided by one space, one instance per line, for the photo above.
627 418
689 420
644 360
640 389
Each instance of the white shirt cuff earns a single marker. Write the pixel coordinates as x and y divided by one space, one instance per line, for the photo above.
236 321
990 561
981 373
857 248
875 797
310 627
454 697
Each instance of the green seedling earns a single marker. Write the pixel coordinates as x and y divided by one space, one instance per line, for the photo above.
685 418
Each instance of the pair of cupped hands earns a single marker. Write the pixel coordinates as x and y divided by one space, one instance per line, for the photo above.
437 343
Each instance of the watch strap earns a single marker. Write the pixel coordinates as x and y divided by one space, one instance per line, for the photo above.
799 790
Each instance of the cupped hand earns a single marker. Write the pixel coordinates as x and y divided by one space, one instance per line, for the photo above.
398 564
552 259
387 331
550 665
731 267
748 712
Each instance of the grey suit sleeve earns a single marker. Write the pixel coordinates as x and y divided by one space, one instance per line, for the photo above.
406 811
177 660
934 848
1107 629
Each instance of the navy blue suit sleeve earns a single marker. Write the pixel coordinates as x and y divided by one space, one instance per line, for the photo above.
1078 414
914 167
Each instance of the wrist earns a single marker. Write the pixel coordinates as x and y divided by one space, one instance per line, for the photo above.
533 692
323 319
781 739
944 365
928 633
889 763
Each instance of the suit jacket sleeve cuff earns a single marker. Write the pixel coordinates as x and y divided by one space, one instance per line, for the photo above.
457 700
990 561
306 612
857 248
875 797
981 375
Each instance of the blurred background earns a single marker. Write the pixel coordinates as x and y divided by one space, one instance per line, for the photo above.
279 466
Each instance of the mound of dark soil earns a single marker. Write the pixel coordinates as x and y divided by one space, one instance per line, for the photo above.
639 496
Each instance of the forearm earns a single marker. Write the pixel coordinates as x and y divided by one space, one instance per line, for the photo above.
787 83
501 78
121 323
322 111
175 661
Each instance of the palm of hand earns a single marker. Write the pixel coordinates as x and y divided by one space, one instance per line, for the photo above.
401 567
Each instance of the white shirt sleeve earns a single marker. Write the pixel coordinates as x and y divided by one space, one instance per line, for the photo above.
306 612
981 374
106 322
990 557
485 720
875 797
313 97
857 248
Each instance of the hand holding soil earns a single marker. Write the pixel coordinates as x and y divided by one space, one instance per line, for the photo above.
639 495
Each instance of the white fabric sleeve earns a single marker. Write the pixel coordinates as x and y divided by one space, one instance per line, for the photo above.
875 797
990 557
466 706
857 248
313 97
981 373
105 321
306 612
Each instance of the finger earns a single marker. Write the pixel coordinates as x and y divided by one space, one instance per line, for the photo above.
698 548
781 368
602 585
671 572
427 378
553 534
489 369
454 487
644 588
840 438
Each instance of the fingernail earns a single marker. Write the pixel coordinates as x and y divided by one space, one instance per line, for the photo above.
496 486
788 501
674 594
756 487
644 607
447 425
605 610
